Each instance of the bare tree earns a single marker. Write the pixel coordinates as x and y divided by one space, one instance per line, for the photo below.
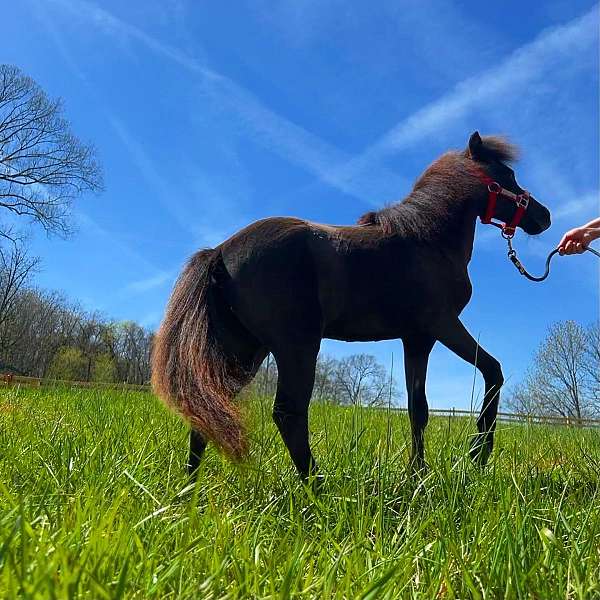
89 341
356 379
43 166
362 380
326 385
133 356
592 362
16 266
563 380
32 333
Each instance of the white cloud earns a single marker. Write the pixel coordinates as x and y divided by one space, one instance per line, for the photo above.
201 228
165 193
512 76
579 208
364 177
86 222
279 134
496 87
109 24
151 319
150 283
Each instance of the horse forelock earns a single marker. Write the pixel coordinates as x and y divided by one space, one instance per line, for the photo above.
499 148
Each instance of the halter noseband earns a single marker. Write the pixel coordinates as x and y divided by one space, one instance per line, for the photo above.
495 190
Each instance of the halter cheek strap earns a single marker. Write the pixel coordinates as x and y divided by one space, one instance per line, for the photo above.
495 190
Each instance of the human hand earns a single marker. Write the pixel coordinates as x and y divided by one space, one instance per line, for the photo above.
574 241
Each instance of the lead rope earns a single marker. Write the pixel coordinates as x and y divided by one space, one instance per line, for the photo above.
512 255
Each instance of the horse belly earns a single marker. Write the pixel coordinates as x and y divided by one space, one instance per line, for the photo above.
374 313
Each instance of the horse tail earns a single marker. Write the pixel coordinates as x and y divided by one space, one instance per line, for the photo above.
190 371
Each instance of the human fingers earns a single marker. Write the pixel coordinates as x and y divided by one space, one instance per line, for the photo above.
569 236
563 240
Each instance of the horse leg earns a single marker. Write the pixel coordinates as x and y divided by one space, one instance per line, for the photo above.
251 357
296 376
456 338
416 357
197 448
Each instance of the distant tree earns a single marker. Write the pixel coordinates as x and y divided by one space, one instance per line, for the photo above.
523 398
43 166
592 362
68 364
362 380
105 370
563 380
42 325
356 379
39 324
326 386
88 340
16 266
266 378
132 344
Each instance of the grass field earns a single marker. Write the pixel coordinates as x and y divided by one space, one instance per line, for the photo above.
94 503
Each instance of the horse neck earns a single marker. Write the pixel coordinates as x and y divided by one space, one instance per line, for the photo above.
444 219
461 233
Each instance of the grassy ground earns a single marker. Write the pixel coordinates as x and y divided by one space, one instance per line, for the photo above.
94 503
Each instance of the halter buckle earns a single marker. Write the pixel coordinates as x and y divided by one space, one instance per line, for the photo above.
523 200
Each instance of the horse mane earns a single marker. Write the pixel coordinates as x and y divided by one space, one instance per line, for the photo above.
448 180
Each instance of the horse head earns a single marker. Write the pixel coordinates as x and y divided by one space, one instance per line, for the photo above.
506 200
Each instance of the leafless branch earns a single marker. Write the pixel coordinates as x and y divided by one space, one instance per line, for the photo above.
564 379
43 166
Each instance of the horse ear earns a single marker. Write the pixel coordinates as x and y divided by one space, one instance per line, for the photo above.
475 145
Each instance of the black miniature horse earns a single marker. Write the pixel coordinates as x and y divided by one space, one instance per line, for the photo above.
282 284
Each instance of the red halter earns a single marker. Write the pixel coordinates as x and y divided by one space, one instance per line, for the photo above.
495 190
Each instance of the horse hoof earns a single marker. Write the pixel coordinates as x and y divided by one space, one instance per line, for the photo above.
480 452
316 482
418 466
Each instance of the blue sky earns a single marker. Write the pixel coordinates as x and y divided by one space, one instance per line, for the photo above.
210 115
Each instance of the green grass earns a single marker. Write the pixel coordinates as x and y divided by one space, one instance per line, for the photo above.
94 503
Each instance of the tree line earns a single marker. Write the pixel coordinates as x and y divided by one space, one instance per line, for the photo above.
352 380
44 335
44 168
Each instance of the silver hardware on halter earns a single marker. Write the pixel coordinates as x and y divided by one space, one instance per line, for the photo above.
523 200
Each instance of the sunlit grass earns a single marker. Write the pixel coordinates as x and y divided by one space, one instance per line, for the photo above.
94 503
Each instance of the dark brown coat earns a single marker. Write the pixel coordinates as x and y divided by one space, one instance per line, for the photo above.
282 284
